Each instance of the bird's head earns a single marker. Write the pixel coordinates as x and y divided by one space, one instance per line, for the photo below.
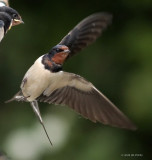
59 54
13 14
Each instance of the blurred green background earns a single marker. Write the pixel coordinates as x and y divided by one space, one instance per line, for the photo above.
119 64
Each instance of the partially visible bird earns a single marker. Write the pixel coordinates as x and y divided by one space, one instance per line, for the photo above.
8 17
5 24
46 82
15 16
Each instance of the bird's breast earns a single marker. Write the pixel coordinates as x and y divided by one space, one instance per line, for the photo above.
37 80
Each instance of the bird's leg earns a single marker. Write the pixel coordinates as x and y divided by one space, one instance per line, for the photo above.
36 110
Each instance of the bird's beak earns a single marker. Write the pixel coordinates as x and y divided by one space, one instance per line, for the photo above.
17 22
66 51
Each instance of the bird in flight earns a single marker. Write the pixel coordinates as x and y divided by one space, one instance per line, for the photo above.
8 17
45 81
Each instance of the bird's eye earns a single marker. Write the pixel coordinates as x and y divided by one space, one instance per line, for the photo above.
15 16
58 50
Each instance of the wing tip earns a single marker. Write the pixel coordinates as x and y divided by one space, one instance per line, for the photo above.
132 127
127 124
106 15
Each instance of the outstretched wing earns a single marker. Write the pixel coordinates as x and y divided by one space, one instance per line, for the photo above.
1 30
74 91
86 32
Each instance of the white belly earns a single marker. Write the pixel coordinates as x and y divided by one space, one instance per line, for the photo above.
38 79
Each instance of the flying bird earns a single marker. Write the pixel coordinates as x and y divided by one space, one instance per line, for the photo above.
45 81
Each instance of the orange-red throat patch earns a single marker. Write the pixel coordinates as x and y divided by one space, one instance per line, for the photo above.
59 58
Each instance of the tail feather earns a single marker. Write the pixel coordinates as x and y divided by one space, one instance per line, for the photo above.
36 110
16 97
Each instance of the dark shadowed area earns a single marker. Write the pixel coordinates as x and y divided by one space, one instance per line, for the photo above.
119 64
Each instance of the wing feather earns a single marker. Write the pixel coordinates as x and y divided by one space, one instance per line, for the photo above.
85 99
86 32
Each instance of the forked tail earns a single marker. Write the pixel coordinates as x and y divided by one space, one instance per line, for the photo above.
17 97
36 110
20 97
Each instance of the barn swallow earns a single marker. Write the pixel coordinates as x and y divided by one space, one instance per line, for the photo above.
46 82
15 16
5 24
